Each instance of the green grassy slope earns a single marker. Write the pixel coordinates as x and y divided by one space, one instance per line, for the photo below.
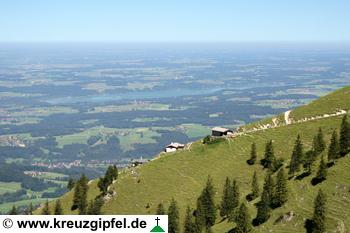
338 100
327 104
183 174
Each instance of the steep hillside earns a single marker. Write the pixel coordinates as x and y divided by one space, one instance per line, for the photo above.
333 103
182 175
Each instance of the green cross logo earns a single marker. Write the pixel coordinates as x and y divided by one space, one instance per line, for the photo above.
157 228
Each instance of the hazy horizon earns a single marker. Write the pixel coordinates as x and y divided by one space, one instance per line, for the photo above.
177 21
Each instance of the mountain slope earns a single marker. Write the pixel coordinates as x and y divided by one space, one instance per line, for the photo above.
183 174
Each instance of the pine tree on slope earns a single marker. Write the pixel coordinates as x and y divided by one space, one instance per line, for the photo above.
189 225
46 209
322 171
234 201
30 209
58 208
281 191
227 196
334 149
319 144
243 221
344 140
255 186
269 157
173 215
264 206
253 155
235 194
80 195
297 157
94 207
319 217
70 184
206 210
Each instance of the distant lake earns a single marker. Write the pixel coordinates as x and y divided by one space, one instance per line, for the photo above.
134 95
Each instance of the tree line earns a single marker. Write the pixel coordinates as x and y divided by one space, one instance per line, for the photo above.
235 210
80 201
274 193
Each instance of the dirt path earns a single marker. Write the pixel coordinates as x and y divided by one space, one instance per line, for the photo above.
289 121
188 146
286 117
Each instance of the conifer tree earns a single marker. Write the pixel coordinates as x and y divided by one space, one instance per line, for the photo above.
253 155
189 225
98 203
269 185
58 208
90 207
264 206
94 207
264 209
103 185
76 196
227 196
322 170
319 217
309 160
243 220
80 195
235 195
199 215
319 144
281 192
297 157
344 140
83 199
269 156
46 209
70 184
334 149
255 186
234 199
206 210
13 211
30 209
173 215
160 209
110 175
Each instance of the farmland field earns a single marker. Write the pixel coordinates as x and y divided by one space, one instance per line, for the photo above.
65 111
8 187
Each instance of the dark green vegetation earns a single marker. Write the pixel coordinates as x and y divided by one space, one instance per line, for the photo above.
80 195
173 215
106 106
189 223
253 155
319 218
58 208
284 202
107 180
45 209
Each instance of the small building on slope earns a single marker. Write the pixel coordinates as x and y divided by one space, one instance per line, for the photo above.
174 146
219 132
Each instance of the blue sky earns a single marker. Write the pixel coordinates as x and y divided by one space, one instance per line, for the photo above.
174 20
